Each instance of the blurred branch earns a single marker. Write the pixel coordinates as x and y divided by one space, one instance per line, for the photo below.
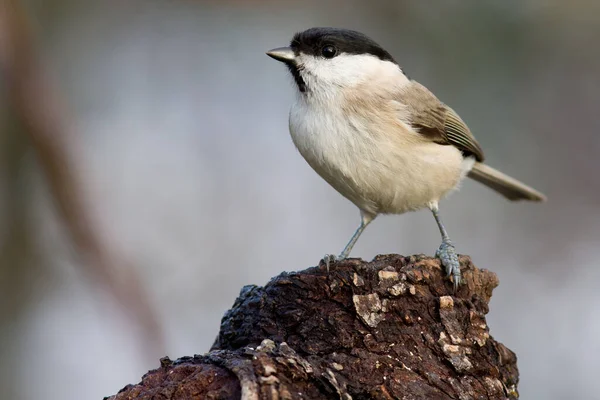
41 110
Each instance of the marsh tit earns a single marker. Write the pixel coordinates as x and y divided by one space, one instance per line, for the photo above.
381 139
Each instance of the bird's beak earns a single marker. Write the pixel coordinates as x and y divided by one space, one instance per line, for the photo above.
283 54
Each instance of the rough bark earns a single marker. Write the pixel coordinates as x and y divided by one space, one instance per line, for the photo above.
387 329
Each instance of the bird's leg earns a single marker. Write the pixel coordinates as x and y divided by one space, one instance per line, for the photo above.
446 253
365 219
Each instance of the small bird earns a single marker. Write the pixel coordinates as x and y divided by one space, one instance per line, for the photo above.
381 139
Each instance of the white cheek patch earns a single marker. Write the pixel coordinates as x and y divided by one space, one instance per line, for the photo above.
346 70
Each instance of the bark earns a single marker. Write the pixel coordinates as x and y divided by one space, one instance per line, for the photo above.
387 329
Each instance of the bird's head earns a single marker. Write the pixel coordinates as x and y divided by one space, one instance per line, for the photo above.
327 60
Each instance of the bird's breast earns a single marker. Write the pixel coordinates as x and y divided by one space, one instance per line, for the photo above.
380 171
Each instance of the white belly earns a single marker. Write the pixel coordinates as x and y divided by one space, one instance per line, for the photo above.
380 173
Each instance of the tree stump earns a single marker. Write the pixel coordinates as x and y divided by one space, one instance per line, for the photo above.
388 329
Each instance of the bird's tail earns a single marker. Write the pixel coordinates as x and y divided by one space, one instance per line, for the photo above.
509 187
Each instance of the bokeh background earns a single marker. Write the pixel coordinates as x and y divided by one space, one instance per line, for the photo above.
177 182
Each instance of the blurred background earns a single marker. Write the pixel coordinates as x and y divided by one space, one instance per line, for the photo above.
147 174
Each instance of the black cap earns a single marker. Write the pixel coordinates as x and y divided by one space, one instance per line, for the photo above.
313 40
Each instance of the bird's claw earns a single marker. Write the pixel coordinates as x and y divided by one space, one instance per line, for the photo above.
329 259
447 255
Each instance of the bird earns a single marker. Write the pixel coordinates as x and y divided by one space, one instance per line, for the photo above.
381 139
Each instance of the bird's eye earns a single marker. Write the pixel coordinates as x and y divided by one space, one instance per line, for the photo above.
329 51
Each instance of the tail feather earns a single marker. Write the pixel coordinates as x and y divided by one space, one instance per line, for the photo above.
509 187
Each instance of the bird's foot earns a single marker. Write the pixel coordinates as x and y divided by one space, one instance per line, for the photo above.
447 255
329 259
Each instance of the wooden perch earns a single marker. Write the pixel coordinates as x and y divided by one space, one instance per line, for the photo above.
386 329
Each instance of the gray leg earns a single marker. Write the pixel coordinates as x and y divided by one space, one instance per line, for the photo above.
365 219
446 253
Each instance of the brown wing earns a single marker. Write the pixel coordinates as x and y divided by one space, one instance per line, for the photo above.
437 121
